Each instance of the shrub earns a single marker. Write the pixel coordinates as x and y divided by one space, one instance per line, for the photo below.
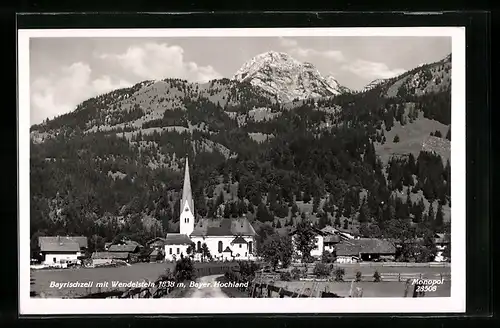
358 276
321 270
396 138
339 274
377 277
296 273
285 276
327 257
184 269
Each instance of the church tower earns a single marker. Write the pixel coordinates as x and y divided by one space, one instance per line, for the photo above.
187 205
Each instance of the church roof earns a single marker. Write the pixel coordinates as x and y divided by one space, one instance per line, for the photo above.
187 195
239 240
228 250
223 227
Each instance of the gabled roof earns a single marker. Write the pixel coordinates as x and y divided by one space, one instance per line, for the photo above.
177 239
316 230
67 246
239 240
123 248
355 247
331 239
223 227
80 240
228 250
110 255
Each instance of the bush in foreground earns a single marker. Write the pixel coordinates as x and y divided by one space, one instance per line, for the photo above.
377 277
184 270
321 270
339 274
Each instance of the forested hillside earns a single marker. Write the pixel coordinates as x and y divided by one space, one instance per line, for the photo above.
113 166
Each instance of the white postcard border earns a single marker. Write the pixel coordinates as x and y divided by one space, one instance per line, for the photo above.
454 303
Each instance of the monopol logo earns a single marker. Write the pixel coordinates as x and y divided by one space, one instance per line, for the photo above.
427 282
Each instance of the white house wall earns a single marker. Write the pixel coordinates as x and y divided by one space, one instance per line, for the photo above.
177 250
213 245
49 257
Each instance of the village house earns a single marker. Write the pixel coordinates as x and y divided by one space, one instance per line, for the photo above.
442 242
319 237
125 250
341 233
100 258
61 250
365 249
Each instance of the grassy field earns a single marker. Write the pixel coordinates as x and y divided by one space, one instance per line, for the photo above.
370 289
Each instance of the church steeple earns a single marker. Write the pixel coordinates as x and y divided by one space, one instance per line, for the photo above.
187 196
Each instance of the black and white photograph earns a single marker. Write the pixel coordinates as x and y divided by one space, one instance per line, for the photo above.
276 170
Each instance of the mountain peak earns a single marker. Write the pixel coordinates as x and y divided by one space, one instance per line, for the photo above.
286 77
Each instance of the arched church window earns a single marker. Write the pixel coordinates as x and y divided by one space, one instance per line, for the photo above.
199 245
250 244
220 246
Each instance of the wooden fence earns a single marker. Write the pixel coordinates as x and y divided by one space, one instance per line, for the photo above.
267 291
381 265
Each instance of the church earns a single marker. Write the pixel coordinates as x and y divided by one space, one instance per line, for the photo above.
226 239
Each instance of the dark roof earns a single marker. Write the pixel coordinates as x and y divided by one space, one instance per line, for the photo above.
223 227
365 246
316 230
228 250
441 238
239 240
331 239
177 239
123 248
347 249
67 246
110 255
157 240
43 241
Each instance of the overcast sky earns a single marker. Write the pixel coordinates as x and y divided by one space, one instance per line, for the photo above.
66 71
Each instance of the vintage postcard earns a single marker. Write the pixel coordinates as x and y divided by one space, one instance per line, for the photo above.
300 170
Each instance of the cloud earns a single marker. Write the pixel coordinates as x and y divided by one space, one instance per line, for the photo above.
288 43
296 50
159 61
63 90
372 70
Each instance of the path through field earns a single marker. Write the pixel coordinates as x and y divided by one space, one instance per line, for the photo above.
208 290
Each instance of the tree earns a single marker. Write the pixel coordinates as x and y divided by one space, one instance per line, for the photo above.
305 239
294 209
316 202
263 214
278 224
396 139
191 249
438 222
205 252
184 269
323 220
306 197
263 232
276 249
346 224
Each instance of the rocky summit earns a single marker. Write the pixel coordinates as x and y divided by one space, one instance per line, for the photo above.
287 78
